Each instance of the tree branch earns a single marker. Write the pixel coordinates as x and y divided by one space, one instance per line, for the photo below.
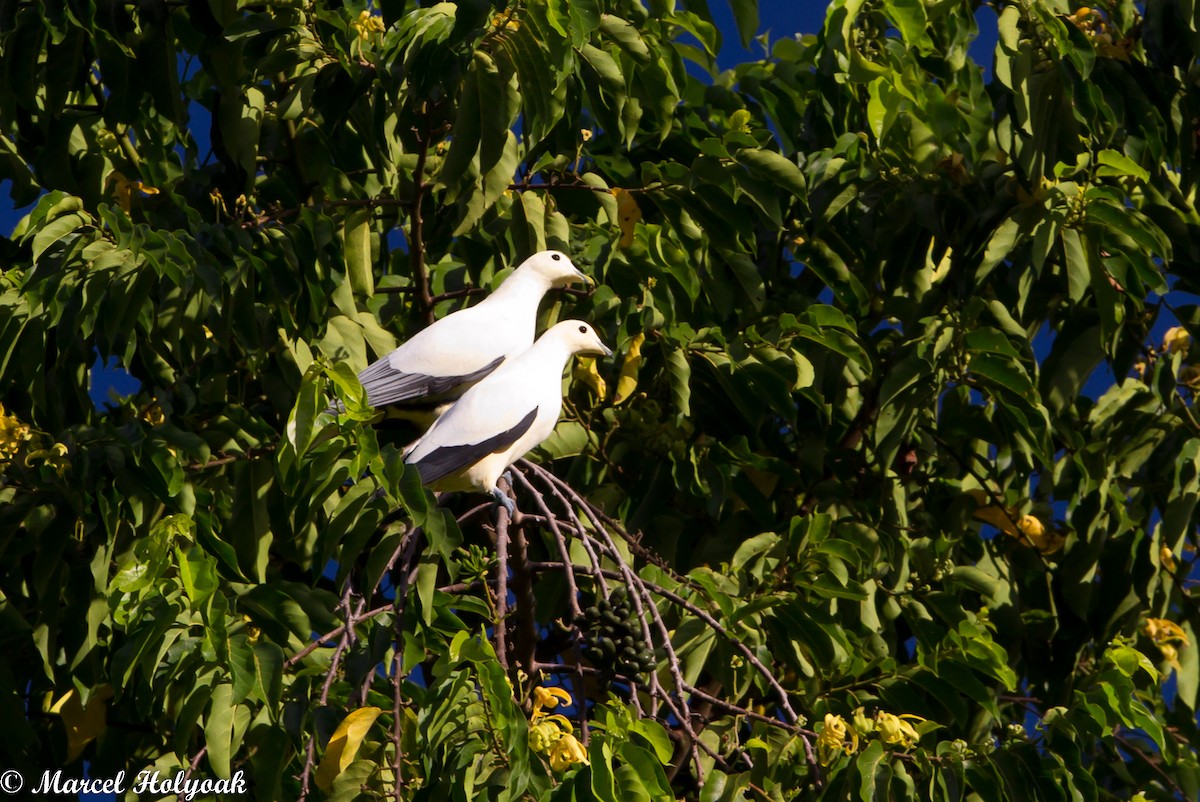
416 228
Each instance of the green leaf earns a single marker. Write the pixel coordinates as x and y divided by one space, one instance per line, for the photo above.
1115 163
655 735
218 731
745 15
356 234
625 35
871 768
1079 275
774 167
268 672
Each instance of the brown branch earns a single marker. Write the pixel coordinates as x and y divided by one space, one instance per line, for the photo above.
416 229
704 616
370 203
598 515
251 453
1150 760
637 594
191 769
548 521
409 550
348 636
579 185
526 607
450 295
501 626
580 531
328 636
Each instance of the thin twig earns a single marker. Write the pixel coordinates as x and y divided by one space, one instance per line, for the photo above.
501 626
328 636
398 671
191 769
526 607
416 241
310 751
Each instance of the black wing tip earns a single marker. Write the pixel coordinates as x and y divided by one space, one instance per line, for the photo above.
386 386
446 460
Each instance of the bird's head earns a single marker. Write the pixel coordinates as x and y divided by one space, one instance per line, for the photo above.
580 338
556 267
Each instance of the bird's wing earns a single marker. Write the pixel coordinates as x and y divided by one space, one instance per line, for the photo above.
452 449
387 385
463 342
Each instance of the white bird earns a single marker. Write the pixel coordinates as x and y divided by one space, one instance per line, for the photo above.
440 362
501 418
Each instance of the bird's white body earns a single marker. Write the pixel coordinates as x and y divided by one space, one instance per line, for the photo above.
441 361
488 429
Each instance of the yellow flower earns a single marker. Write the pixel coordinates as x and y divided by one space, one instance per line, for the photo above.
543 736
862 725
506 22
1176 340
367 24
546 731
567 752
1160 630
153 415
895 730
124 190
55 457
586 133
833 739
1027 529
1171 655
1167 558
548 699
1169 637
12 434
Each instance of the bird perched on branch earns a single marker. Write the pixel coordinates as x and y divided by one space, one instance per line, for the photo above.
440 362
501 418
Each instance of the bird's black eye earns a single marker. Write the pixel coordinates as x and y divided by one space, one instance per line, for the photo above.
583 329
555 257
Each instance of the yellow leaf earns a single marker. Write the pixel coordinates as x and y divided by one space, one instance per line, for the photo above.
83 724
628 214
627 382
585 371
344 744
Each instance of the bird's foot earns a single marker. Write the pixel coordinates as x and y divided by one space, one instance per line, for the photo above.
504 501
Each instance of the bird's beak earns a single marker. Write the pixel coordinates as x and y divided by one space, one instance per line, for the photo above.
582 278
604 349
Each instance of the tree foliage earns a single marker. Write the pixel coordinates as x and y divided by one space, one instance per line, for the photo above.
847 517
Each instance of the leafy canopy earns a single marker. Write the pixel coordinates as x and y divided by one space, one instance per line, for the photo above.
849 516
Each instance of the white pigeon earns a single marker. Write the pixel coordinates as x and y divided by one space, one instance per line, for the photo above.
440 362
501 418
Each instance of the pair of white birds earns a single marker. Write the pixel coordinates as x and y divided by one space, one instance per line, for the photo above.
506 389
